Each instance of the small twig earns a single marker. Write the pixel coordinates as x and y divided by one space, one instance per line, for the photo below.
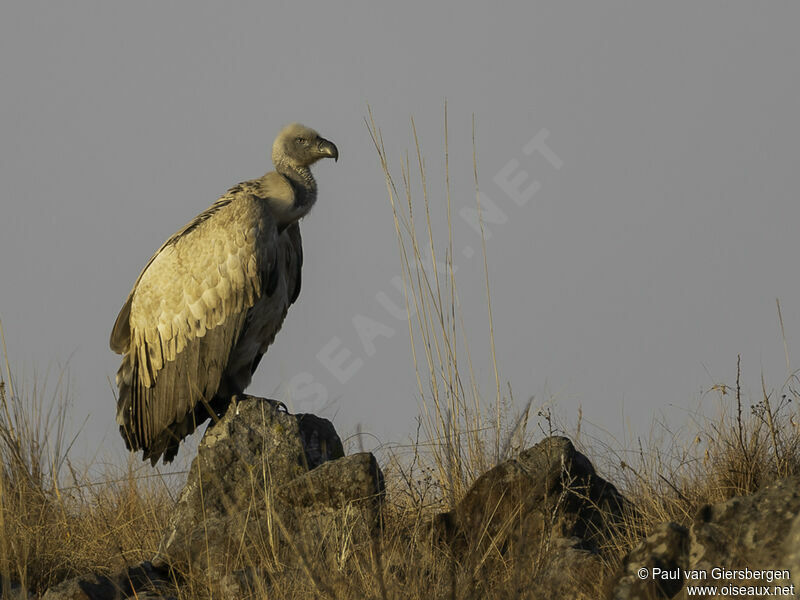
739 422
783 335
773 433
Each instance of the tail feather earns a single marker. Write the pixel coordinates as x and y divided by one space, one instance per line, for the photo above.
155 417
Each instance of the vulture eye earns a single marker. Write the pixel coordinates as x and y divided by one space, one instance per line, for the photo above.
300 140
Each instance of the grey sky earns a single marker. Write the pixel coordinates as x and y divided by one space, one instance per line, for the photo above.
632 278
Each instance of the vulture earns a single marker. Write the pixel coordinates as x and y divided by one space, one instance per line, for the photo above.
208 304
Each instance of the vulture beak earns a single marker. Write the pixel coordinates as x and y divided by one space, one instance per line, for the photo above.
326 148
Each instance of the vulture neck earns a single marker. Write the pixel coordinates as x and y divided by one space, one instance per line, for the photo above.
304 187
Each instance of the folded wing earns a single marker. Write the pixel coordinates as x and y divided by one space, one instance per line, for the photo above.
183 318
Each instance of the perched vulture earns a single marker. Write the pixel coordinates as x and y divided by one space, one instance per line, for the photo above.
210 301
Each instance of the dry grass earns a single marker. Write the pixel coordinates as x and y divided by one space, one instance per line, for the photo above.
58 521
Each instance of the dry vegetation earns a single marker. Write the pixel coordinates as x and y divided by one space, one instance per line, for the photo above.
58 521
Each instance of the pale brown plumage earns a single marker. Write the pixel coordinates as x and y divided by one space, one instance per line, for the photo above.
210 301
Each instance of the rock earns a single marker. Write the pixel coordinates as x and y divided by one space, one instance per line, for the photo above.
756 532
257 469
333 484
549 491
339 499
142 581
666 549
791 549
88 587
266 478
569 570
759 531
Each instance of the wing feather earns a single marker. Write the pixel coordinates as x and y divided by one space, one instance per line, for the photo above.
293 250
181 322
290 251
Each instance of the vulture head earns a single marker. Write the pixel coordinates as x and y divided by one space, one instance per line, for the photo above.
299 147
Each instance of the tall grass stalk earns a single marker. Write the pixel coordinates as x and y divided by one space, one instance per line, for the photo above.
452 406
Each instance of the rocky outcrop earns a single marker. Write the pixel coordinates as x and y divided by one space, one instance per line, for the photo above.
260 470
549 491
547 507
279 481
665 549
791 547
756 533
259 473
750 531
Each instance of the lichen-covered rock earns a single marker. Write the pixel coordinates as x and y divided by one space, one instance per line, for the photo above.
759 531
337 482
549 491
791 549
666 549
259 472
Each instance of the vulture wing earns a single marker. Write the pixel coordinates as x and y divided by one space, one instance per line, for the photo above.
293 245
184 316
290 259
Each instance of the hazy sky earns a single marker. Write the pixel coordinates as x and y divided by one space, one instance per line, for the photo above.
663 226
